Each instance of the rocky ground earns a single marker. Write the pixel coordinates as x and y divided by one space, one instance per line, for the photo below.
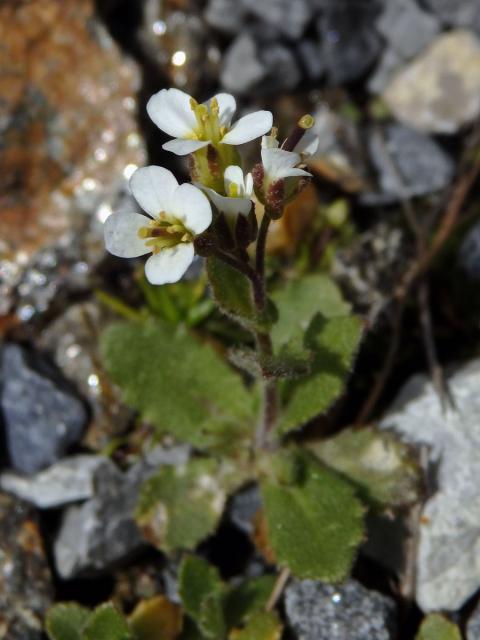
394 86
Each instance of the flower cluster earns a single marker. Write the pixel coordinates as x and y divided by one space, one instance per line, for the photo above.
174 215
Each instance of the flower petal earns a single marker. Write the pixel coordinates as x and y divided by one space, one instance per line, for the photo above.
249 127
152 188
121 234
279 163
269 142
234 175
170 110
227 107
248 184
308 143
170 264
192 207
184 147
229 206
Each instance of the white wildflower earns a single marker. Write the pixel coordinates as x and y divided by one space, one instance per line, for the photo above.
239 189
176 214
195 125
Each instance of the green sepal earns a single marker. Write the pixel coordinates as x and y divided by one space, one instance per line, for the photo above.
314 519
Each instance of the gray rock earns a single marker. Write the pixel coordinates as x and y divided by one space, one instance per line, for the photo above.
43 418
102 532
311 55
456 13
281 69
406 27
389 64
241 69
448 571
225 15
408 163
473 625
243 507
288 17
70 480
350 44
317 611
451 97
469 256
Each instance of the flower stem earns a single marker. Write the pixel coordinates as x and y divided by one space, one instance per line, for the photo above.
264 343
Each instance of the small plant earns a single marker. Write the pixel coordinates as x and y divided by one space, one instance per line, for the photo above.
240 407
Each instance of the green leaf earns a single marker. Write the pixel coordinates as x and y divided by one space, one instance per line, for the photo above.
233 292
381 466
65 621
179 384
437 627
247 598
106 623
333 344
300 301
202 593
262 626
315 327
231 289
314 520
181 505
273 367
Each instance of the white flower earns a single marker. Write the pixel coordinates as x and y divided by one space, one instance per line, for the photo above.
279 164
239 189
177 213
196 125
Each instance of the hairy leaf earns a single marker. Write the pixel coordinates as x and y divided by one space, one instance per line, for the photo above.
333 344
247 598
233 292
181 505
314 520
202 593
437 627
261 626
106 623
300 301
179 384
380 465
65 621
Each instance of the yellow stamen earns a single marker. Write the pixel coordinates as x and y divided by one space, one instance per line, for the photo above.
233 190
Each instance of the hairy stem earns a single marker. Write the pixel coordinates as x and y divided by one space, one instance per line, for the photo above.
264 342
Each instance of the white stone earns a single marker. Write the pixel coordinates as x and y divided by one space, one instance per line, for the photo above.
448 560
439 91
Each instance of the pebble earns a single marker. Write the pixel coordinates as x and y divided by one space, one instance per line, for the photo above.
448 571
406 27
317 611
439 91
350 44
42 417
408 163
70 480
